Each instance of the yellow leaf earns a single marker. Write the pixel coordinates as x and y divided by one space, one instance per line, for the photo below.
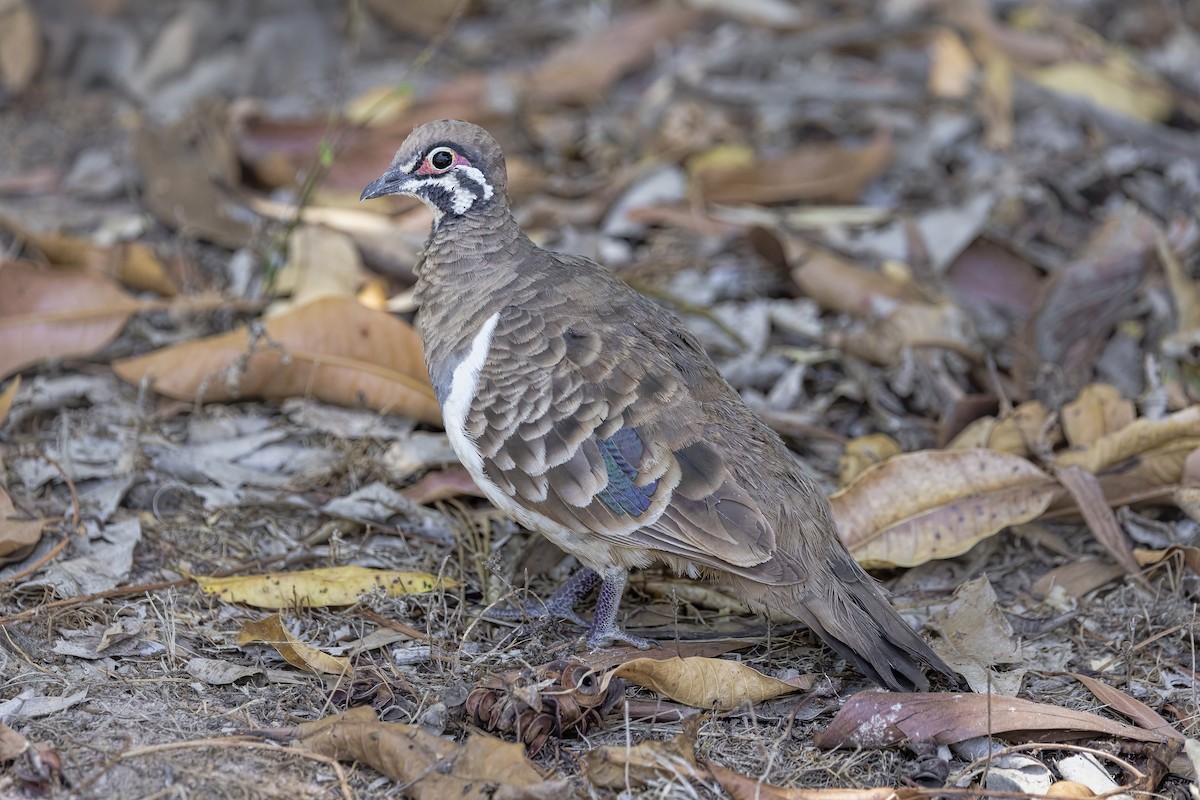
862 452
1137 437
1115 84
712 683
270 631
7 397
318 588
951 67
916 507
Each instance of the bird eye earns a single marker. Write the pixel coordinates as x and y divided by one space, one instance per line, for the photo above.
441 159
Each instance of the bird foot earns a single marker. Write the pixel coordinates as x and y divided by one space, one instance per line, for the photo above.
605 637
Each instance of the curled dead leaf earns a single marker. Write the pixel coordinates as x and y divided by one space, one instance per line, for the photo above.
915 507
1137 437
427 766
270 630
710 683
621 767
1098 411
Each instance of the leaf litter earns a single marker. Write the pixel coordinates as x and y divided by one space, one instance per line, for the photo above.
945 250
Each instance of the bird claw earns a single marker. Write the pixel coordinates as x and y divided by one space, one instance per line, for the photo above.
599 639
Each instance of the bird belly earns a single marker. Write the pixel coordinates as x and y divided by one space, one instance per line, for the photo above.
591 550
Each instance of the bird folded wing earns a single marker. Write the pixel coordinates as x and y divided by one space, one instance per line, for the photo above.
590 429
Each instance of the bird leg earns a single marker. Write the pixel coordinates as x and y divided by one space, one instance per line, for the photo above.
560 605
605 630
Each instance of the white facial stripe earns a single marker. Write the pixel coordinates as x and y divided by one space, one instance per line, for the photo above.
462 391
463 198
477 176
410 166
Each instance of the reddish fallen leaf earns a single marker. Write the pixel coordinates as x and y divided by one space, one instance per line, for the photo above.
334 349
882 719
56 313
442 484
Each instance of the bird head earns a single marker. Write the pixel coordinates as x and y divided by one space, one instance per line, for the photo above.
454 167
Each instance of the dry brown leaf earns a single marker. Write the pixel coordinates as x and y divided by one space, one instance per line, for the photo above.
840 285
12 744
1152 476
824 171
430 767
709 683
20 45
1189 556
880 719
185 171
321 263
951 66
318 588
932 504
56 313
1077 578
583 70
8 396
334 349
1089 498
1131 707
976 636
131 263
1098 411
942 325
1082 301
862 452
270 630
740 787
1138 437
1012 433
621 767
17 536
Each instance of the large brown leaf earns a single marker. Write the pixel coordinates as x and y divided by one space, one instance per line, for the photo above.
334 349
931 504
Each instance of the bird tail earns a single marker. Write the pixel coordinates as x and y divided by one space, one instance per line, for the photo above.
850 612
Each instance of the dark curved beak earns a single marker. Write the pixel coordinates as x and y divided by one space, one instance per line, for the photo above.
387 183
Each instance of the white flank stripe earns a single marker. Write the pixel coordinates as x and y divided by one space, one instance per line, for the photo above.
462 392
